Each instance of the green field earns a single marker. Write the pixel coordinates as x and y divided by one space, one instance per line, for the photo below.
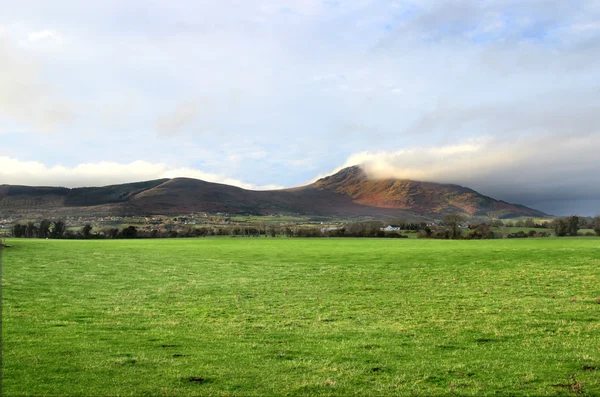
262 317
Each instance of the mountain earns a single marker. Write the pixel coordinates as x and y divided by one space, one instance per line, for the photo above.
421 197
349 193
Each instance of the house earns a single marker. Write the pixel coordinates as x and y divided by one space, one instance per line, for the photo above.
329 229
391 228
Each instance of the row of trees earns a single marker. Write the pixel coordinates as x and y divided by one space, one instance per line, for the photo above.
453 223
57 229
582 223
571 225
453 227
566 226
45 229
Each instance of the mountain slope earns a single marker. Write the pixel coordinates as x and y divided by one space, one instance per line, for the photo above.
348 193
421 197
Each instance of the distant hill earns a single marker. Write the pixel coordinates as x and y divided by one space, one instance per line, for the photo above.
349 193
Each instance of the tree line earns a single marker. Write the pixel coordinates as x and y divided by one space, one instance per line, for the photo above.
454 226
570 226
45 229
58 230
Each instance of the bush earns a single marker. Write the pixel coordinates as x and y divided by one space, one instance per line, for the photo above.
519 234
129 232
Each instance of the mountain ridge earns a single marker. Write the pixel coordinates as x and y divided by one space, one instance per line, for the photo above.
347 193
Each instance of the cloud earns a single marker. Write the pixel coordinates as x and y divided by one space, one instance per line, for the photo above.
547 172
14 171
502 21
24 97
174 123
46 34
191 173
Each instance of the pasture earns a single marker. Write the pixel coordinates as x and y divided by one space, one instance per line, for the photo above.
331 317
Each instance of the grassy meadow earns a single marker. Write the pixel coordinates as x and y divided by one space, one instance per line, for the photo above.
339 317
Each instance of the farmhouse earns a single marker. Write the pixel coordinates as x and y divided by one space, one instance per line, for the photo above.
328 229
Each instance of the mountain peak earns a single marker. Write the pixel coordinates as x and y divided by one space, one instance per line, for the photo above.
350 174
434 199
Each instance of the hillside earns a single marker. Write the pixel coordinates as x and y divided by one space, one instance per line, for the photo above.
348 193
421 197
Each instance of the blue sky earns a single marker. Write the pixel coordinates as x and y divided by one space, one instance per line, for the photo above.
501 96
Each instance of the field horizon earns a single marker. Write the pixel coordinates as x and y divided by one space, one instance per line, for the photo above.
331 317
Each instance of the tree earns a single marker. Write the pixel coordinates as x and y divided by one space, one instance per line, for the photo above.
58 230
31 230
129 232
586 223
453 221
86 230
19 230
497 223
561 228
111 232
482 231
597 225
44 229
573 225
428 231
529 222
493 215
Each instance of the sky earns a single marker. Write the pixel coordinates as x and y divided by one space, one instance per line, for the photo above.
501 96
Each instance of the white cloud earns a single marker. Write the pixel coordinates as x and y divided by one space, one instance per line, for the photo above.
46 34
191 173
24 97
448 164
17 172
174 123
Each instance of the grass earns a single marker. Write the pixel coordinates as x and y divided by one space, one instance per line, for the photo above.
340 317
